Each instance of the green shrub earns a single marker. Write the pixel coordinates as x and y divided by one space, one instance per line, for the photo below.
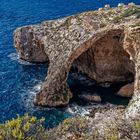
127 13
136 126
78 128
130 12
22 128
75 128
112 134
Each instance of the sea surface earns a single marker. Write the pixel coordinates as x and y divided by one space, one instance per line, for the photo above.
20 80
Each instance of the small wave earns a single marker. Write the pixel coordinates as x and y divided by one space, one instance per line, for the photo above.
77 110
37 87
28 97
15 57
32 93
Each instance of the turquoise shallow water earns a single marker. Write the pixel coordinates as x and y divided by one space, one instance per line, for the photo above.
20 80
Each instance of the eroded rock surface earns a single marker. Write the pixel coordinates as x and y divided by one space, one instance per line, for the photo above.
102 44
28 46
91 97
127 90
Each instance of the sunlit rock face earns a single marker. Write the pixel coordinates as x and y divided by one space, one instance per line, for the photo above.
102 44
132 46
127 90
28 45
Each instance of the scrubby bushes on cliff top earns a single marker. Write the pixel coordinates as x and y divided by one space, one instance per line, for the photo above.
29 128
22 128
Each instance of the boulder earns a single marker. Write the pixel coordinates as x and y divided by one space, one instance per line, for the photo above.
126 91
91 97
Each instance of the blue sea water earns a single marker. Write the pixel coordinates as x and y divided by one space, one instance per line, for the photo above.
20 80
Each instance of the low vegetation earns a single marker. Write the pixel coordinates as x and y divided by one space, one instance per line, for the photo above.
127 13
22 128
73 129
30 128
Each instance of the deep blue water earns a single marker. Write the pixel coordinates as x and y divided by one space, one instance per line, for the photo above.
19 80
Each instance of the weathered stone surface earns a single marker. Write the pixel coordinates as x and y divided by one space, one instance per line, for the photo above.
28 46
103 44
91 97
132 46
106 60
127 90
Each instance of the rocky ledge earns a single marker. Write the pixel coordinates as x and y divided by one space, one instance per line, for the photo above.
103 44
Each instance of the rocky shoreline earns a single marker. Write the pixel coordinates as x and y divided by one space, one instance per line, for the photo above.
104 45
74 41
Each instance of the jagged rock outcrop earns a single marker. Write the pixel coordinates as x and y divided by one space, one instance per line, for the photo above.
102 44
29 47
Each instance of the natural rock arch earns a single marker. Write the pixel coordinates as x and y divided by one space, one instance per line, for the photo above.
111 68
65 41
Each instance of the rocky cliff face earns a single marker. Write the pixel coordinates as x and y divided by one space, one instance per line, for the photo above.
103 44
28 46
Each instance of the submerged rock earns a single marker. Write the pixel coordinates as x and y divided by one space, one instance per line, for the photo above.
103 44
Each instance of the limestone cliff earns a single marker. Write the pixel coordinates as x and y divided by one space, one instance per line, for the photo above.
103 44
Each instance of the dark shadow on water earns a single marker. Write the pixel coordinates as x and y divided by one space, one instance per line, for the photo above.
107 93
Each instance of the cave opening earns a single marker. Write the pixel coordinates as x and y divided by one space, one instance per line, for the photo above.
104 73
